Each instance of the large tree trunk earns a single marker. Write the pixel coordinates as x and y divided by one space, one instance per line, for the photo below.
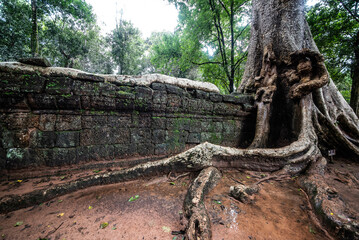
287 73
354 97
284 66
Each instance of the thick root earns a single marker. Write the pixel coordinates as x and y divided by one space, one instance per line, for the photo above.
331 210
199 225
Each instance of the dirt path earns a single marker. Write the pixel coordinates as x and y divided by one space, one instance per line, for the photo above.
277 212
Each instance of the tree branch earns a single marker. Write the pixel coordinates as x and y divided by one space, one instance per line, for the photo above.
224 7
241 5
349 11
240 60
199 64
240 33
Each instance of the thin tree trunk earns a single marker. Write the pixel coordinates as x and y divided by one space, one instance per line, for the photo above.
354 98
34 33
231 80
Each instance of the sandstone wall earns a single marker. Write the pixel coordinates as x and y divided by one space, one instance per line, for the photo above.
59 119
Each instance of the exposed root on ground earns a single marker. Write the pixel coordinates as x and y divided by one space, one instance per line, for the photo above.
199 224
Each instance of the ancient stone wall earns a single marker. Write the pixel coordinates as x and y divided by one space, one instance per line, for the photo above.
59 119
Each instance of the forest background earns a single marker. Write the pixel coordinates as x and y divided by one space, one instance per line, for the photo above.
209 43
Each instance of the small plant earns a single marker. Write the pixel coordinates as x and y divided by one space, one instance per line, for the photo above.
133 198
103 225
18 224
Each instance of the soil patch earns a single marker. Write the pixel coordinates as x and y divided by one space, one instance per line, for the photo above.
278 211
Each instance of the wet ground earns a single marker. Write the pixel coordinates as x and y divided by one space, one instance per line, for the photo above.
278 211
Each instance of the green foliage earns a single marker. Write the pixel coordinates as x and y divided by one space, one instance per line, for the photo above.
167 55
127 48
15 29
68 34
214 37
334 30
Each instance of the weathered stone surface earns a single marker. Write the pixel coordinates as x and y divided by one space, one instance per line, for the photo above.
67 139
243 192
194 138
46 115
158 86
36 61
68 123
215 97
39 139
47 122
42 101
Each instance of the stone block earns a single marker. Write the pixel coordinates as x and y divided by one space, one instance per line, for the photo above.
67 139
158 86
15 138
83 154
59 86
159 136
62 156
47 122
160 98
39 139
194 138
193 106
121 135
68 122
201 94
19 121
159 123
172 89
42 101
176 139
121 121
231 98
145 149
10 84
161 149
102 103
124 104
105 152
108 89
206 125
99 121
121 151
174 103
2 159
145 120
36 61
85 102
144 93
90 77
215 138
95 153
140 135
101 135
13 101
83 88
31 83
68 102
215 97
195 125
17 158
86 137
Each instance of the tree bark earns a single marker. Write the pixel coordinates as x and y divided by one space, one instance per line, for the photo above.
354 97
34 32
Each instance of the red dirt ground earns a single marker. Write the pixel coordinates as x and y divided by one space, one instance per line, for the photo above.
278 211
